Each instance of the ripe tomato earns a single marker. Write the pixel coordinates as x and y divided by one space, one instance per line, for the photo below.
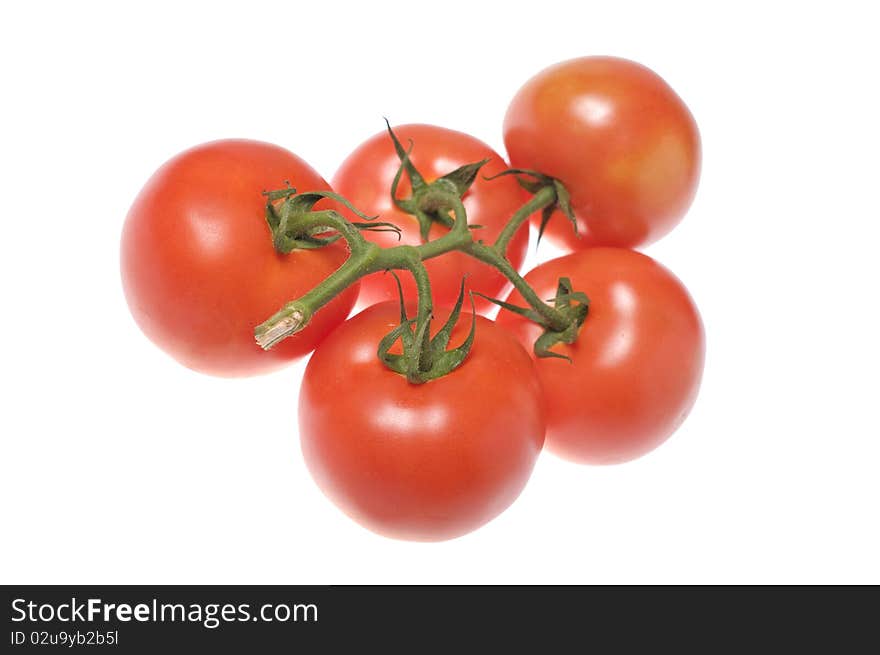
636 365
198 266
365 179
424 462
619 138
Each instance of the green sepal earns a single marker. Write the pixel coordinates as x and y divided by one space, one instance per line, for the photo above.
279 218
304 202
278 194
378 227
573 304
563 204
441 339
445 361
578 296
539 181
272 217
405 205
461 179
425 221
403 332
397 363
311 242
546 341
449 360
429 202
526 312
455 183
415 178
424 358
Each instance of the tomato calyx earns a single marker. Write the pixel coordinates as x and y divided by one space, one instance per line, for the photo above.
285 209
431 202
541 183
573 305
425 358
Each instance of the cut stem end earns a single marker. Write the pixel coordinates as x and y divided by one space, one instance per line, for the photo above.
277 329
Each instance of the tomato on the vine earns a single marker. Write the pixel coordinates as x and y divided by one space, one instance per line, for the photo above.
365 178
425 461
635 368
618 137
199 268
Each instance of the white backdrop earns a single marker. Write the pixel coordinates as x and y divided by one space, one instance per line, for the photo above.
119 466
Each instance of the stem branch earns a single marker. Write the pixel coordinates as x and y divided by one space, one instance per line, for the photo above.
490 255
366 258
544 198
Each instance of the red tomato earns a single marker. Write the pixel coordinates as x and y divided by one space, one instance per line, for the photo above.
636 365
423 462
620 139
365 179
198 266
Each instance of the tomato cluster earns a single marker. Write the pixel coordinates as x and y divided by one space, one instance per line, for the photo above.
598 354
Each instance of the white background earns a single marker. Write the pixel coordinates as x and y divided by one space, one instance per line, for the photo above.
119 466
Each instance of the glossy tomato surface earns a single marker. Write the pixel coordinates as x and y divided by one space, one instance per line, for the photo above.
620 139
365 178
636 365
422 462
199 269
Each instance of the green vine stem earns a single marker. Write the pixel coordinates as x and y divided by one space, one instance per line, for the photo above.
543 198
440 200
366 258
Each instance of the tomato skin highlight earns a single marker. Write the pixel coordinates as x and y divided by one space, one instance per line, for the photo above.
636 366
198 266
620 139
422 462
365 177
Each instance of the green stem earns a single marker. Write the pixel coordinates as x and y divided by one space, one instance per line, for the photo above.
495 256
296 314
366 258
412 262
457 237
490 255
544 198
